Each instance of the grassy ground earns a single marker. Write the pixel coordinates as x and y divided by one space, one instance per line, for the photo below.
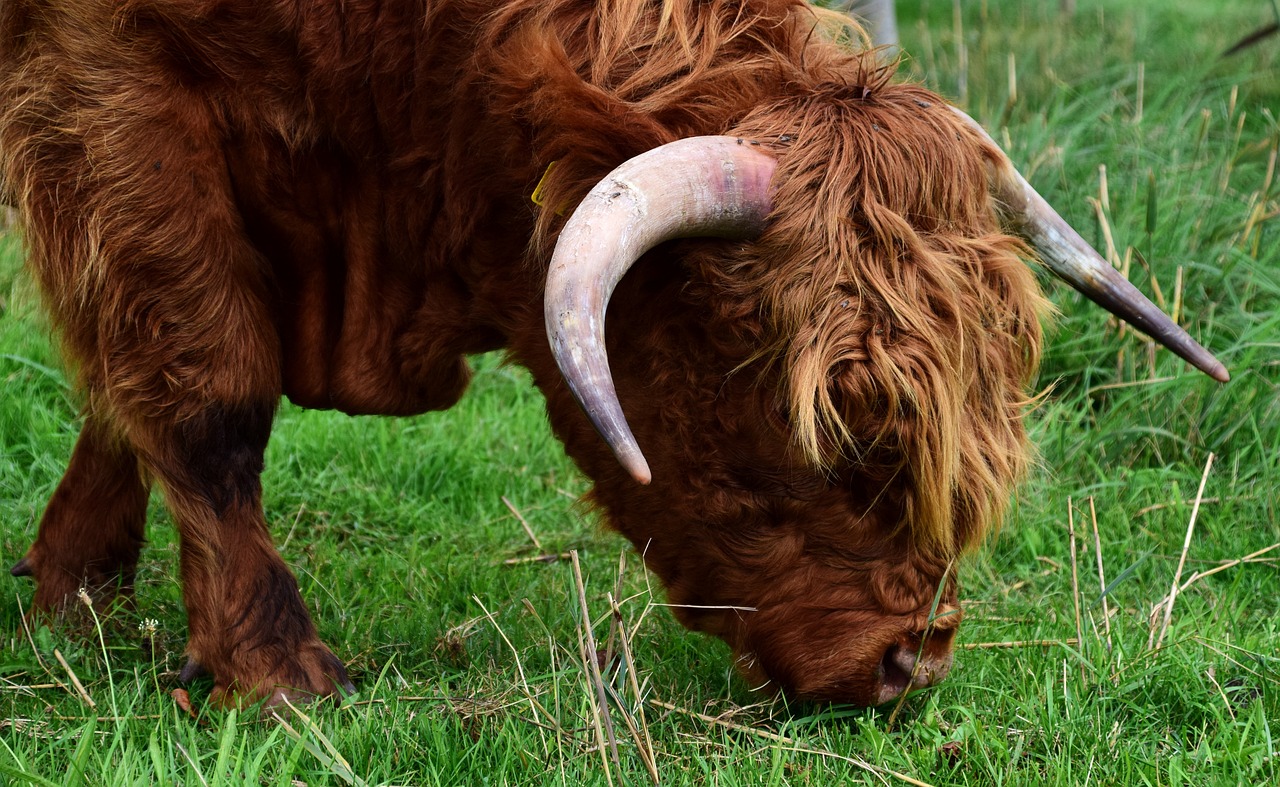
469 668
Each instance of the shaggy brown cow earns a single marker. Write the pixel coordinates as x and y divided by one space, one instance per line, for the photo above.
231 200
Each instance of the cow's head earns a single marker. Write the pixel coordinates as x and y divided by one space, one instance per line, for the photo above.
843 416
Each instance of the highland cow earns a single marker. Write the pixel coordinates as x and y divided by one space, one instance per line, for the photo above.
822 347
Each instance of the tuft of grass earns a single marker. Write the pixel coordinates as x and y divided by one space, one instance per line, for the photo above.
407 539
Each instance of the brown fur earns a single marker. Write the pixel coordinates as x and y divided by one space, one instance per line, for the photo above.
230 201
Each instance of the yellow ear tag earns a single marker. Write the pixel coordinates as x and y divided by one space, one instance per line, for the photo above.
537 196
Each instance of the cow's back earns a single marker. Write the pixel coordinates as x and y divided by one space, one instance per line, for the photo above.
332 122
377 156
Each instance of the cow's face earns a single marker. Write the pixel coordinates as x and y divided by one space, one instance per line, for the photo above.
830 576
830 405
814 578
831 412
852 384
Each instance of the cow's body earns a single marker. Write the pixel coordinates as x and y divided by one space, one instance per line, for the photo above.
229 201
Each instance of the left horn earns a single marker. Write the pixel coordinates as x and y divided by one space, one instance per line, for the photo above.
696 187
1075 262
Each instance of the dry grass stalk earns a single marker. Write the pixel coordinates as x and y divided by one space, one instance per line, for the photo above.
1075 577
1128 384
614 628
1261 215
111 719
1269 178
1142 85
523 523
1013 91
1231 711
1013 80
1229 163
1249 558
75 681
289 537
1102 576
552 653
722 722
607 743
194 767
329 756
1206 501
22 617
1177 296
1167 601
550 557
1182 559
859 763
1248 665
1113 256
962 56
1023 643
28 688
538 709
790 742
638 726
1157 293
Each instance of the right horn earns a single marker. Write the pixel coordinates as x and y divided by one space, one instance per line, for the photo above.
696 187
1075 262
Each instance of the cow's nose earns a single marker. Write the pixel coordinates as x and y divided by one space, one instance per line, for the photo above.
906 665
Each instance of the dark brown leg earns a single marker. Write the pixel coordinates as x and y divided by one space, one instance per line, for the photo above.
92 529
248 624
165 305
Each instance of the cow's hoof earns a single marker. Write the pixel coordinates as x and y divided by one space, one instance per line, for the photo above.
191 671
312 674
22 568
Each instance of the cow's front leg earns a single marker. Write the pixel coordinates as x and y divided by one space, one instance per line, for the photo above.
167 309
92 529
248 625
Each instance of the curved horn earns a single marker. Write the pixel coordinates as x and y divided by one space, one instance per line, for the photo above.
1076 263
696 187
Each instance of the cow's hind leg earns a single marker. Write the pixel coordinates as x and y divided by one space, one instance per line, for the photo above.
92 529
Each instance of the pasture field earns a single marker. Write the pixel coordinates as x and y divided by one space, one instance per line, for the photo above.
466 650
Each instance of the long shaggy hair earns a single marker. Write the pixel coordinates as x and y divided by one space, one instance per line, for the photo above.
902 320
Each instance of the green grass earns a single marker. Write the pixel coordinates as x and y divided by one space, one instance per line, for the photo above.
398 534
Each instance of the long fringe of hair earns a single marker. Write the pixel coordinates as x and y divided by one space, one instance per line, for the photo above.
904 322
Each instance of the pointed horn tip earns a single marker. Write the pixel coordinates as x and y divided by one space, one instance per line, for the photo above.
638 468
1219 373
22 568
631 458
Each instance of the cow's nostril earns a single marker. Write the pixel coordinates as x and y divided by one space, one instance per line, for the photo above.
899 670
895 672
